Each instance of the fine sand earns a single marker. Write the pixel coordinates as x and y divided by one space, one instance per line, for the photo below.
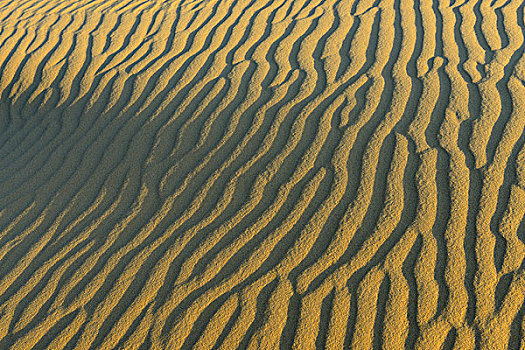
262 174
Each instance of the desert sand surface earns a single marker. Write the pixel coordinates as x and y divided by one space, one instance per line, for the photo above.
262 174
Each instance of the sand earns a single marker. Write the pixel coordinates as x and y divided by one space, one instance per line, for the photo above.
253 174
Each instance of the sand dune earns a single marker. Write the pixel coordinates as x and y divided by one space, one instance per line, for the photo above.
275 174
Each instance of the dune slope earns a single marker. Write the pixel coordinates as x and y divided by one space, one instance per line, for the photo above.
262 174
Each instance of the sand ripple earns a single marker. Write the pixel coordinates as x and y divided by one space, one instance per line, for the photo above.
262 174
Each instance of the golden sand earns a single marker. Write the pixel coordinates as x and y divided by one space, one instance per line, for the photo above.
252 174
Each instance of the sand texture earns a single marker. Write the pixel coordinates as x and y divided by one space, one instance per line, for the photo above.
262 174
